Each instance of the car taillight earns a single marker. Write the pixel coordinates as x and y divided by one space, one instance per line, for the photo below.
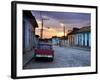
35 50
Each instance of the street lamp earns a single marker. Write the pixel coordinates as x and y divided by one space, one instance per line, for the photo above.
63 28
63 31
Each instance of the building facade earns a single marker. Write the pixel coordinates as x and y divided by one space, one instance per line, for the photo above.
56 40
72 37
29 25
80 37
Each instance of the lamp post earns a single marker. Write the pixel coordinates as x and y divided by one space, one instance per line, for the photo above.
63 31
63 28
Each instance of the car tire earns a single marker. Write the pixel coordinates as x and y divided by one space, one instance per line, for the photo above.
51 59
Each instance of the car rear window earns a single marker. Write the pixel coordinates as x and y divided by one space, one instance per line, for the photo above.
45 46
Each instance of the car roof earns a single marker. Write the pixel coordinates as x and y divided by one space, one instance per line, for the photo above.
46 43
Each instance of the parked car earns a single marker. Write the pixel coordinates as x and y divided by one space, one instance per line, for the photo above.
44 51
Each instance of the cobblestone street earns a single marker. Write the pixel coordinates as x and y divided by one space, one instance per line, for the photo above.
64 57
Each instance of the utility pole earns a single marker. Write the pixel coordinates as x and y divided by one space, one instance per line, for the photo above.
64 32
42 24
41 34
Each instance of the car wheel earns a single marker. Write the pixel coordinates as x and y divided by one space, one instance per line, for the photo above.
51 59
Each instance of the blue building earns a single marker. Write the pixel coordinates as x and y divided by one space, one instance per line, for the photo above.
80 37
56 40
29 24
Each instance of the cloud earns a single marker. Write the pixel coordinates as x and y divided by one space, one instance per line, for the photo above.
54 20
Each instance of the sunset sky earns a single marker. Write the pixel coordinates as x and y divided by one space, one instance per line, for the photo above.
55 22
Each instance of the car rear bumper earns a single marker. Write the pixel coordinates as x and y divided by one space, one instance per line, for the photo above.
44 56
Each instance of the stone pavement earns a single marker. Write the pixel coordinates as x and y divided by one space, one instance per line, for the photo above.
27 57
80 48
63 57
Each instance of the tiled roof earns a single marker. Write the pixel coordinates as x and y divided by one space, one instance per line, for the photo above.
84 29
81 30
74 31
28 14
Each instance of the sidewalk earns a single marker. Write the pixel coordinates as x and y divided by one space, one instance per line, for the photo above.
27 57
80 48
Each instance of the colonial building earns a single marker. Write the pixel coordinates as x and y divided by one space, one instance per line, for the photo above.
80 37
71 36
56 40
60 41
29 25
63 41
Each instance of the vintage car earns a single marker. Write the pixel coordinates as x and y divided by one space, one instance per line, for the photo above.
44 51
